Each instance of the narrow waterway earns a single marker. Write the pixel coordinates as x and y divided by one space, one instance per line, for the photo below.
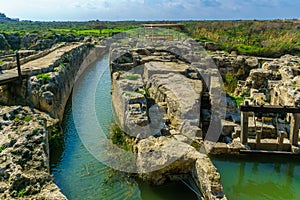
80 175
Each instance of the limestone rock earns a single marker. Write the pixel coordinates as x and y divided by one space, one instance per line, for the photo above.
173 84
24 155
180 94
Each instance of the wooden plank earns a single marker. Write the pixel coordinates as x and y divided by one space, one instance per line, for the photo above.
8 77
267 152
19 66
270 109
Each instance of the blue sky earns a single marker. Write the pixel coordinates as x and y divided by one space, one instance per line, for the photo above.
82 10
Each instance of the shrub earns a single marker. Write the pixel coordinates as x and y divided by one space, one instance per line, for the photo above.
119 137
230 82
238 100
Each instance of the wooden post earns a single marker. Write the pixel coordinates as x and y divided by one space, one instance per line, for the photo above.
295 126
244 131
281 137
258 137
19 66
152 33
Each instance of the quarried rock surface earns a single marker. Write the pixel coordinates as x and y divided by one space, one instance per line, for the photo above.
143 78
24 154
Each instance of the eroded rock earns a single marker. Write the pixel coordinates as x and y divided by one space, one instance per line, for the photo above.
24 155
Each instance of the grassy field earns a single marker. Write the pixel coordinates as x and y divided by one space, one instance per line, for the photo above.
258 38
92 28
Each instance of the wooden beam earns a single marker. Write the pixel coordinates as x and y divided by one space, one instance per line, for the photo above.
270 109
19 66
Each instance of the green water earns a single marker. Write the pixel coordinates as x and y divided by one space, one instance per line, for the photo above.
260 177
81 176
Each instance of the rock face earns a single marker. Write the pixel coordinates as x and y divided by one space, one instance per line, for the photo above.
130 103
162 153
240 66
24 154
51 94
147 77
182 98
277 82
175 160
286 91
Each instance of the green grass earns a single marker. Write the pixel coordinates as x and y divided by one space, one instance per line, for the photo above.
55 129
21 193
267 38
2 148
44 77
28 118
140 91
89 32
11 138
237 99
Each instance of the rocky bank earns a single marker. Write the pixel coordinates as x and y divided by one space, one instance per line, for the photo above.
156 97
24 154
25 131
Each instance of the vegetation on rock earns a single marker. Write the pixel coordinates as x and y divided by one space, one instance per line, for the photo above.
120 138
230 81
44 77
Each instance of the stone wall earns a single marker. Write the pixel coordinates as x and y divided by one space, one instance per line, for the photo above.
50 91
24 146
51 96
